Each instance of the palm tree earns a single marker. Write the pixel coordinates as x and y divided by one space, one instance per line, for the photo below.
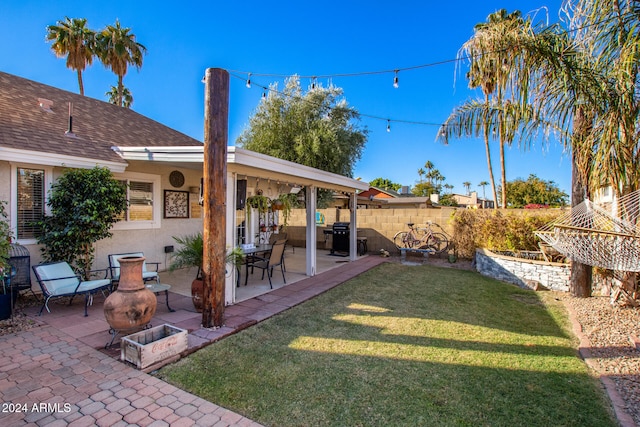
493 56
467 186
596 104
420 173
72 38
449 187
483 184
429 167
117 48
127 98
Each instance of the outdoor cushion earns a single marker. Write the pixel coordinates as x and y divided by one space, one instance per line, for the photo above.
57 279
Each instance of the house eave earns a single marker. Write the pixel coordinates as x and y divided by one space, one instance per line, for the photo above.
54 159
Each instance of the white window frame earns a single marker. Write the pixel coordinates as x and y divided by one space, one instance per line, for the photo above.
156 181
48 180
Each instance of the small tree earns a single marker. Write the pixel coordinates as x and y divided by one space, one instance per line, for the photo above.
84 205
385 184
5 238
534 190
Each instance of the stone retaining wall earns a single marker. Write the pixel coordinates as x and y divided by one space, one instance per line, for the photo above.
523 272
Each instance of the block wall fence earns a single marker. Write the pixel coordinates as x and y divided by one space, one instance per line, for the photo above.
377 225
380 225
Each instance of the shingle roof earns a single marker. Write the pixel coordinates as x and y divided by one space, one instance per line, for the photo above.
98 125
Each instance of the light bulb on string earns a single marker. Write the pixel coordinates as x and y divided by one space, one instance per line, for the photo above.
249 81
313 82
395 80
264 95
388 125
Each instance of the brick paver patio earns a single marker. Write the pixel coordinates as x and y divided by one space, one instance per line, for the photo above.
58 374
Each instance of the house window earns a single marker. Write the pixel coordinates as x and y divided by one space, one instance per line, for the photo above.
140 197
144 201
30 201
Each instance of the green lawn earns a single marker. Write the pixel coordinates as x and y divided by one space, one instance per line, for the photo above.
404 345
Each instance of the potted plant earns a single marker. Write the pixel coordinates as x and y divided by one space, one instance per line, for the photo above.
191 254
5 268
286 202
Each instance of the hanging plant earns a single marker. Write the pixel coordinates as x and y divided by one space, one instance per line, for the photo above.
259 202
287 201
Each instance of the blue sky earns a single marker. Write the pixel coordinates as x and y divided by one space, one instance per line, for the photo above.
305 38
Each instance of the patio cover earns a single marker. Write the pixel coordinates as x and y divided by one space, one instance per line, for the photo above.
264 167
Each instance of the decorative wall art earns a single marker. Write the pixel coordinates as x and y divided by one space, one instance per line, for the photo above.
176 204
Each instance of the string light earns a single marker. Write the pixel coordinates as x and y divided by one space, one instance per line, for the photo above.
411 122
395 80
313 83
264 95
249 81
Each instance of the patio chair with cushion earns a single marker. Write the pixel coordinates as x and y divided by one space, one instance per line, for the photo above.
275 259
57 279
147 275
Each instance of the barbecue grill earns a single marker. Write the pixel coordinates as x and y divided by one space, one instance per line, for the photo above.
340 237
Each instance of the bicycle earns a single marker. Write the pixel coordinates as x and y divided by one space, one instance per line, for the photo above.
421 238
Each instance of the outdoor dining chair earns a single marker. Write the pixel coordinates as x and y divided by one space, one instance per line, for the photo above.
147 275
275 259
57 279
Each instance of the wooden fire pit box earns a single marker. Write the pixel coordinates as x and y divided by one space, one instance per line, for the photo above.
153 345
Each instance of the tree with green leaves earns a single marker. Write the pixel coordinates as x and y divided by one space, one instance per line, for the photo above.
5 240
117 48
316 128
72 38
535 191
127 98
84 204
385 184
423 189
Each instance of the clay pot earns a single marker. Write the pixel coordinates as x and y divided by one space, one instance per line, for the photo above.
197 294
132 305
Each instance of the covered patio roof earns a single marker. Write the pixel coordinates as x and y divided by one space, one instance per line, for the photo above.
249 163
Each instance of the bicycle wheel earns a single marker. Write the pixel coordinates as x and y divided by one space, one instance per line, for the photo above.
437 242
404 239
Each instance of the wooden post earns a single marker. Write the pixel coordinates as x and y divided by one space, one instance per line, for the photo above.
216 116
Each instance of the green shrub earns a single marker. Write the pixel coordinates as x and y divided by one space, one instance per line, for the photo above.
495 230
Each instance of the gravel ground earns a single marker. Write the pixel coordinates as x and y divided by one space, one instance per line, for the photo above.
612 354
607 328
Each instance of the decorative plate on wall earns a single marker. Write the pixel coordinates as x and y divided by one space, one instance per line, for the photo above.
176 179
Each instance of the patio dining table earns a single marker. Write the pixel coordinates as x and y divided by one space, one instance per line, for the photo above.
250 252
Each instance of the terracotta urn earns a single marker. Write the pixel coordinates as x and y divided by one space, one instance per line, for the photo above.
132 305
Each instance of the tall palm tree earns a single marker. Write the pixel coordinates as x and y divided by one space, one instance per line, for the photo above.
467 186
584 83
72 38
428 165
127 98
420 173
117 49
483 184
493 55
596 102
